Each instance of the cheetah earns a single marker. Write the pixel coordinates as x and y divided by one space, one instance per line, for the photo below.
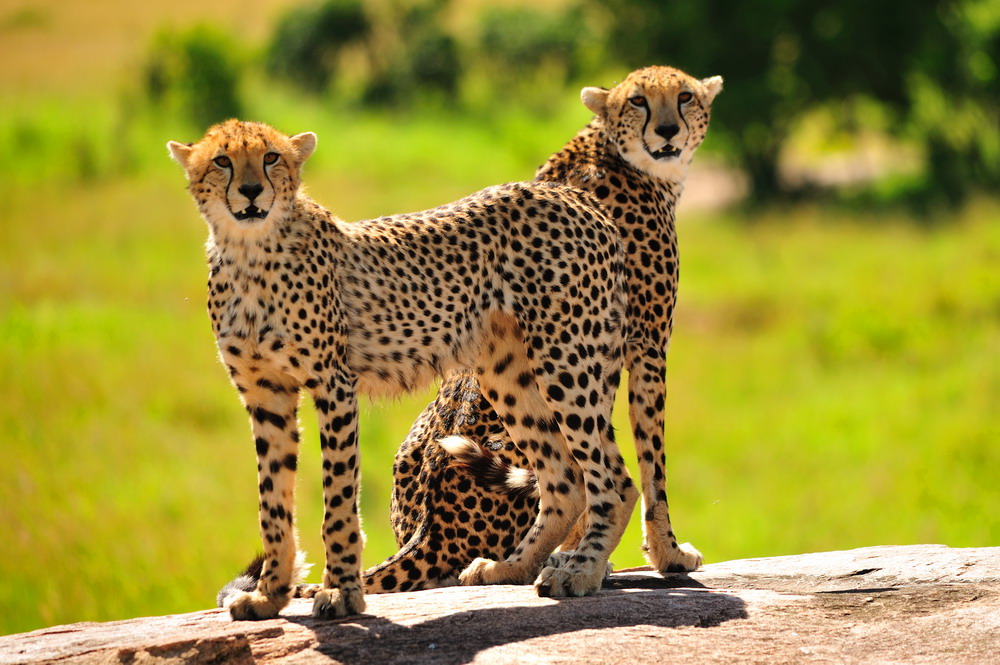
524 282
459 494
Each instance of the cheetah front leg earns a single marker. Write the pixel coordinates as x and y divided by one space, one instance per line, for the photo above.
646 407
343 539
272 405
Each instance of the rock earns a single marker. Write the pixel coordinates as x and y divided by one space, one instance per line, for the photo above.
914 604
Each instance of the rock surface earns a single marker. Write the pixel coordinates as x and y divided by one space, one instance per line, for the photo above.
914 604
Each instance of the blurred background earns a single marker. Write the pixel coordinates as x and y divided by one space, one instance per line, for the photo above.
834 377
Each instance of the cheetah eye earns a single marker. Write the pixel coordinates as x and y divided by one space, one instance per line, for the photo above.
270 158
222 162
638 100
684 97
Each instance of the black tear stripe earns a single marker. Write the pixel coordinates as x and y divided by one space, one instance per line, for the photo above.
681 116
274 192
229 184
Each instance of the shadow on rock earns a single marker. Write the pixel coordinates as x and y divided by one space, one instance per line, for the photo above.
458 637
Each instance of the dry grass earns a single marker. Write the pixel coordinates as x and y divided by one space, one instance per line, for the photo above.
56 46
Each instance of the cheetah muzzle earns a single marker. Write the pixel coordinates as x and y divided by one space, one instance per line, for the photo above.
250 212
667 152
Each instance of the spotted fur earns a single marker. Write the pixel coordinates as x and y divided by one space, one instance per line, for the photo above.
524 282
446 512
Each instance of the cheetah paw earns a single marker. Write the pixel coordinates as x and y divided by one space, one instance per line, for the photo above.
254 606
680 559
560 582
562 560
487 571
307 590
337 603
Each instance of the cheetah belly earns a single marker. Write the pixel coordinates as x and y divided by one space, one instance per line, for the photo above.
390 358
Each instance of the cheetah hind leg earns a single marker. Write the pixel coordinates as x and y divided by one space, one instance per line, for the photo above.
507 380
518 479
338 602
560 558
564 557
576 533
578 573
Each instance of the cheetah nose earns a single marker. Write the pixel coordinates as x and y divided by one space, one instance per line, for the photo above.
667 131
251 191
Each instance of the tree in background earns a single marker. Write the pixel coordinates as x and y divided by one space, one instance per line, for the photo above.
399 48
930 66
953 94
194 73
308 40
931 62
520 42
414 56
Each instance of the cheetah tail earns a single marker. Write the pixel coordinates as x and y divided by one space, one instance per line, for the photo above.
247 580
490 470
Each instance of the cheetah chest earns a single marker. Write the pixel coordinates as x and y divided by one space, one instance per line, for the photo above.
258 326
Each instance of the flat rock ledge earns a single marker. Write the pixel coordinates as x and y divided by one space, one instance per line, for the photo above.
912 604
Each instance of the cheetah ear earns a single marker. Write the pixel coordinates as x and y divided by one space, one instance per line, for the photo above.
712 86
595 99
180 152
304 143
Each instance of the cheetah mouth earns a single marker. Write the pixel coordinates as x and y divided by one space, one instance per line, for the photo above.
250 212
667 152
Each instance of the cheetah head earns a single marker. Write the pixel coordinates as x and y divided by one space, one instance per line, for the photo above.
243 173
656 118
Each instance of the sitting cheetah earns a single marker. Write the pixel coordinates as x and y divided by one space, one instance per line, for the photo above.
455 502
524 282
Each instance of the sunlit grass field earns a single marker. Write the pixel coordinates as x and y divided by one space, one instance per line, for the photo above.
834 375
833 383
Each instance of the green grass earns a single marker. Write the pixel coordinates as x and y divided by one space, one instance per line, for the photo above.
833 383
833 378
134 488
836 380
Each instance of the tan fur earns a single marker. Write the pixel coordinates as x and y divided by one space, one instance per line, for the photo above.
301 300
444 516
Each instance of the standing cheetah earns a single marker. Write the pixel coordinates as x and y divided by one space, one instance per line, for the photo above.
455 502
524 282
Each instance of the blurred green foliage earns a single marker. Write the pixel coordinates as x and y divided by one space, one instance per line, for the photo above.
421 58
520 42
194 73
931 62
308 39
397 53
923 73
